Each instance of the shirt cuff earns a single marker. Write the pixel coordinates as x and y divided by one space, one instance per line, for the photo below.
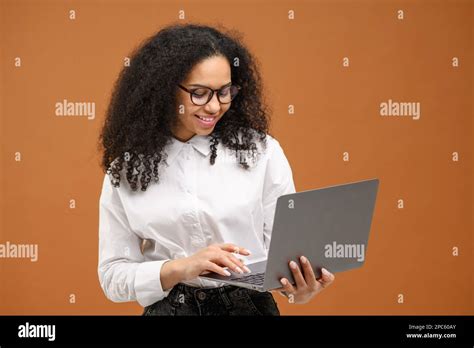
148 289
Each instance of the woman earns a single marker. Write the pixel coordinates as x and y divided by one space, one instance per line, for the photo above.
188 113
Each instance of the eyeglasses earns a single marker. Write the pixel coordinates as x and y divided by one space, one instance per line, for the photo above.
202 95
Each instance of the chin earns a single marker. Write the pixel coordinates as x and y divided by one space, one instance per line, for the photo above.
204 131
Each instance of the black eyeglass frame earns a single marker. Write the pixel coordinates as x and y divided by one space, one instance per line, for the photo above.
211 95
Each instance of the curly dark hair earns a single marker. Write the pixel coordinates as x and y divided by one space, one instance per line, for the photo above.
141 112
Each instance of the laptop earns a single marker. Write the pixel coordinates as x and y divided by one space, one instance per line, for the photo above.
329 225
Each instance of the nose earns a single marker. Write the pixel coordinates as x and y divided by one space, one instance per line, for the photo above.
213 107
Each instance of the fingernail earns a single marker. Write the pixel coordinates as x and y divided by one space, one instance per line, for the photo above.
239 270
325 272
246 251
303 259
283 281
246 269
293 264
226 272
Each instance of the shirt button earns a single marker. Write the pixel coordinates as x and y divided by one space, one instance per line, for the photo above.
201 296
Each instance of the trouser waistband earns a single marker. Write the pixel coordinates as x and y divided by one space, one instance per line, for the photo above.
182 291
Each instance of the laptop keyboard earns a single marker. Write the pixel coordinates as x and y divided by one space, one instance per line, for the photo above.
256 278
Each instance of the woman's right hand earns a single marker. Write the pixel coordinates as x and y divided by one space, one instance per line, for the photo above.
210 259
213 259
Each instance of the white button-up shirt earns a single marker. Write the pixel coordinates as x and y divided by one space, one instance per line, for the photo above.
193 205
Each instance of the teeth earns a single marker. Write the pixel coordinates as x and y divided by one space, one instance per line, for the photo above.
205 119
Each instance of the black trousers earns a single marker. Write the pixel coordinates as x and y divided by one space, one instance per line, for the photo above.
226 300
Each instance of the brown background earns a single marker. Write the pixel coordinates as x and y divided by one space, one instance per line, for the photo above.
336 110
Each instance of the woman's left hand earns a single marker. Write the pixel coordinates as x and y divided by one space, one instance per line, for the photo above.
306 285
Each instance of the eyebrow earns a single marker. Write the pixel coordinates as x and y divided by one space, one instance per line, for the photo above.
198 85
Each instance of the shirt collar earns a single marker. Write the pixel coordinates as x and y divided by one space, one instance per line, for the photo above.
200 142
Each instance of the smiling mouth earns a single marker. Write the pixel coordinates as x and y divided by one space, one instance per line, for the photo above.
207 119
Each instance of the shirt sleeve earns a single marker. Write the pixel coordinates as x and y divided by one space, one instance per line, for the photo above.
278 181
124 274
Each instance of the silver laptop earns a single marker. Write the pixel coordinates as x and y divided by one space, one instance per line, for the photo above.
330 226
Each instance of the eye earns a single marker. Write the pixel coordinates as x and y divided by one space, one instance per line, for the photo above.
200 92
224 91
